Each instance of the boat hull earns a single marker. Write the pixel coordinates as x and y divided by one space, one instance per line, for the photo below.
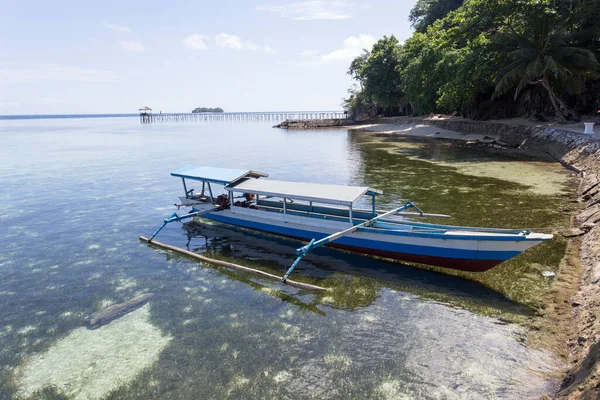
466 252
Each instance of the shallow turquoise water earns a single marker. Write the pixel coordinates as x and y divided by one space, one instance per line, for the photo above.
76 194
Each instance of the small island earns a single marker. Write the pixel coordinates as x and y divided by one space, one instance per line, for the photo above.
207 110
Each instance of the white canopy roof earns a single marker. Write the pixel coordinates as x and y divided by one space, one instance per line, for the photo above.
317 192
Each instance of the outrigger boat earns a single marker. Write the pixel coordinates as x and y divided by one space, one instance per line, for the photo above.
324 215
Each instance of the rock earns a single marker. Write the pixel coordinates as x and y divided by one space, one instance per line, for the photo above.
110 313
575 304
314 123
574 232
588 226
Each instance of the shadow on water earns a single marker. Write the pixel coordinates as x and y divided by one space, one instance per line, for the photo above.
355 280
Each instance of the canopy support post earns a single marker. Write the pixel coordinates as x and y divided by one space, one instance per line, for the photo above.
212 200
373 205
350 215
184 187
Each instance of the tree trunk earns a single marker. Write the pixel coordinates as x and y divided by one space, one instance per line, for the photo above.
553 100
571 114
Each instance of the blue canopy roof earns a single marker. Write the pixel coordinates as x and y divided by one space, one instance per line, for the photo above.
221 176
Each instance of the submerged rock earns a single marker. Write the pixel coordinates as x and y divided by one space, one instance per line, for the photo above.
110 313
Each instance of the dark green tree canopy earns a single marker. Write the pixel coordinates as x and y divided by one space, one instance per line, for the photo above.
541 54
206 109
487 59
378 75
426 12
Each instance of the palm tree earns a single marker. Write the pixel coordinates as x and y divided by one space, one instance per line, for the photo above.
544 58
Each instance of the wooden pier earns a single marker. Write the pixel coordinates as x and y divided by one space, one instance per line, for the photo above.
146 116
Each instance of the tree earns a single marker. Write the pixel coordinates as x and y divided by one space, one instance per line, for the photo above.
356 67
358 105
541 55
465 59
377 73
426 12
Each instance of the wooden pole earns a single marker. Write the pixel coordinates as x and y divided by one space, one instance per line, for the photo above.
226 264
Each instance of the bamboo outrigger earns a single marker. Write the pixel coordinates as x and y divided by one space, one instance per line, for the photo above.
226 264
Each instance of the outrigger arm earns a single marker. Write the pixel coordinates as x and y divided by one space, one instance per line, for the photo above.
174 218
313 244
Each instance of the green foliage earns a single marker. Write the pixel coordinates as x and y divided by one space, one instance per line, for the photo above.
541 54
205 109
466 54
426 12
380 75
358 104
419 59
377 72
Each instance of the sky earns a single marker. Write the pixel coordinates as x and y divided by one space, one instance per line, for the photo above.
74 57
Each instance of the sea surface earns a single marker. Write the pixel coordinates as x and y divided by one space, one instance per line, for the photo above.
77 193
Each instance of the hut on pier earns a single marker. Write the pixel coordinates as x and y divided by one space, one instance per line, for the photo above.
145 114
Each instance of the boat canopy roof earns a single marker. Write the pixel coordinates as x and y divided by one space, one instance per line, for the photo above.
221 176
317 192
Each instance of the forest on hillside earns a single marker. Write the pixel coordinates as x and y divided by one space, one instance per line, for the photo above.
207 110
485 59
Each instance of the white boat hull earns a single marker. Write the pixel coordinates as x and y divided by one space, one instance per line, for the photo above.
458 248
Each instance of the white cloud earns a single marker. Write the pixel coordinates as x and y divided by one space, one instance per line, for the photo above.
120 28
310 53
28 73
353 47
250 46
132 46
196 42
269 50
227 41
312 9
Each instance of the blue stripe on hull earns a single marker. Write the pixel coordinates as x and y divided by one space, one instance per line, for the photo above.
392 250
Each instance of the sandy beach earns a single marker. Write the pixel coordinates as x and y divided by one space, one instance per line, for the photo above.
415 126
420 130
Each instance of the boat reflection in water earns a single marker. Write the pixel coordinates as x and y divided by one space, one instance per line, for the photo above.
355 280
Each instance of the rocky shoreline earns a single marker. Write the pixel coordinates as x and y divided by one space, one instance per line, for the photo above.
315 123
576 151
580 153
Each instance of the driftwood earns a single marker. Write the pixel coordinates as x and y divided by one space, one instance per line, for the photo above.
187 253
110 313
